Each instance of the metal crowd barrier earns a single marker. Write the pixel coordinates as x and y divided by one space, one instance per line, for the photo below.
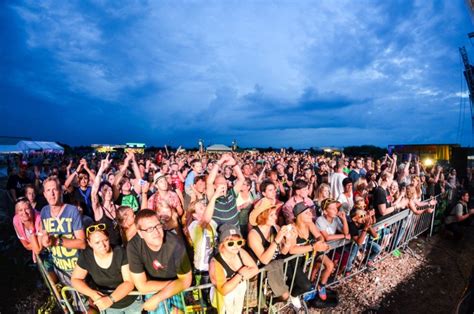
393 232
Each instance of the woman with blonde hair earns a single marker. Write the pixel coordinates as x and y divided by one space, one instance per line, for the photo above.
322 192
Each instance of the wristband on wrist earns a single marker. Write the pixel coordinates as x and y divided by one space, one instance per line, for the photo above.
111 298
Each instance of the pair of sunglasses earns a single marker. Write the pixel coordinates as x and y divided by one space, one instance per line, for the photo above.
236 242
94 228
21 199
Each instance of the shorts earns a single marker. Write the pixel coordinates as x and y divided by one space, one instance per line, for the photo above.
167 305
47 260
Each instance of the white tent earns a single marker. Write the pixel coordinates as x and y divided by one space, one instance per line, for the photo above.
218 148
28 147
9 149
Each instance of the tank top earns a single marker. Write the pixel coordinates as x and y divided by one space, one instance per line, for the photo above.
112 227
265 243
177 183
229 272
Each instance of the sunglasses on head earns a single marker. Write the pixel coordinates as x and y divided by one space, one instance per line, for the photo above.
21 199
231 243
94 228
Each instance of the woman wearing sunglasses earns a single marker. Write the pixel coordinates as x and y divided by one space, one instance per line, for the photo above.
105 211
108 270
230 269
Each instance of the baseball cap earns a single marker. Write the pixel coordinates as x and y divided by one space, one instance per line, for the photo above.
228 230
300 207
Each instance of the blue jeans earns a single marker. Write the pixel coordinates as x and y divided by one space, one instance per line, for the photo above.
370 245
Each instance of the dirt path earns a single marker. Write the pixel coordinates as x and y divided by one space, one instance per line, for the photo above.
431 281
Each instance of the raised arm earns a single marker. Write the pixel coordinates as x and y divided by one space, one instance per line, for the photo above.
86 168
393 166
104 164
72 176
240 177
406 170
261 176
137 173
144 200
417 166
209 211
119 176
212 176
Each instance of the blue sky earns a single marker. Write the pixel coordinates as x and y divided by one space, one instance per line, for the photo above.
267 73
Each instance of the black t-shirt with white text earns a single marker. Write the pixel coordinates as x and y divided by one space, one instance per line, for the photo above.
17 183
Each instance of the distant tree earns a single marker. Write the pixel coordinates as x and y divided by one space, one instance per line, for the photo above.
290 150
67 149
365 150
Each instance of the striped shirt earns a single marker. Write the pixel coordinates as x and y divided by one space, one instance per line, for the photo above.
225 210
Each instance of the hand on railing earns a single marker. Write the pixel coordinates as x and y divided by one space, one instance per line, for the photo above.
103 302
320 246
246 272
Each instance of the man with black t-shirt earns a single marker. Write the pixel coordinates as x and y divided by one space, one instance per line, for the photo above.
382 202
158 264
17 182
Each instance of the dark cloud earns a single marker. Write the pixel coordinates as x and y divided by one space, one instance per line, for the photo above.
290 74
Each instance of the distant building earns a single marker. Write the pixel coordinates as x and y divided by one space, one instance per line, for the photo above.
137 148
435 152
107 148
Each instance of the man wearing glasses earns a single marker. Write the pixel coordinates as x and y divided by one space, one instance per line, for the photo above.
158 263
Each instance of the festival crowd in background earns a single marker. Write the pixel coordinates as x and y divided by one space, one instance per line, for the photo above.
159 223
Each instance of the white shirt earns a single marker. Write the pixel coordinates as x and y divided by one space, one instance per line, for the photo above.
336 184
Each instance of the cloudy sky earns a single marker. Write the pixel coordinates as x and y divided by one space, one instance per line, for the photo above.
266 73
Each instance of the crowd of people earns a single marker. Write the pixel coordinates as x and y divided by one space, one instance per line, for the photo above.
161 222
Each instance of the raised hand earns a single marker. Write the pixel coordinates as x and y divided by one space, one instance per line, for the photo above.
105 163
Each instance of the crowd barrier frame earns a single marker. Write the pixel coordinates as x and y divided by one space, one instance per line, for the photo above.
394 232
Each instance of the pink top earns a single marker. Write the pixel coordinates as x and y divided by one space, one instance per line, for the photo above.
171 198
24 234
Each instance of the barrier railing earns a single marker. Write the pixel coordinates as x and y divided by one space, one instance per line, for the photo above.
348 258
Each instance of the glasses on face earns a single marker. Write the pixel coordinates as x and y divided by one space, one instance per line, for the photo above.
238 243
157 227
94 228
362 216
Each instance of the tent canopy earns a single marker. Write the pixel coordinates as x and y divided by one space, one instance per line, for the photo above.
218 148
39 146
